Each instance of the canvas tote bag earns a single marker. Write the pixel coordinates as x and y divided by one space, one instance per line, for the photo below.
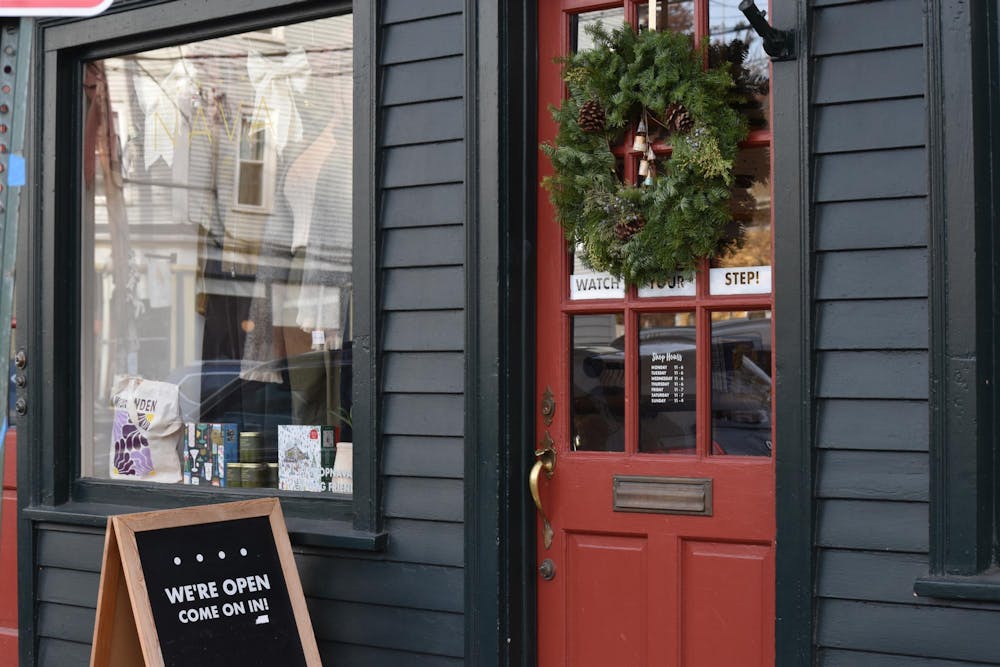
147 429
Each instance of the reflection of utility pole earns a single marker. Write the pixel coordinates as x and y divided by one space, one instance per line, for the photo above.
100 151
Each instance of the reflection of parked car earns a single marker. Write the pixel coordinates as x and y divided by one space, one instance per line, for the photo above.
741 390
311 388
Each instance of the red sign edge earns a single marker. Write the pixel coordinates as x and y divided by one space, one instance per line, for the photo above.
55 9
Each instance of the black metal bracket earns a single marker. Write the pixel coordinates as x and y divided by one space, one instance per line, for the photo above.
779 44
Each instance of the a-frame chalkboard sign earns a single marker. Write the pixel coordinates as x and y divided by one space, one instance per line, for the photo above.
207 586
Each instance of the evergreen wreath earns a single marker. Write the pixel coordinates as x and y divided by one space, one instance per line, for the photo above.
648 232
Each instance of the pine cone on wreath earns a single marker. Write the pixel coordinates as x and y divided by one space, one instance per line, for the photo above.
628 226
591 118
677 118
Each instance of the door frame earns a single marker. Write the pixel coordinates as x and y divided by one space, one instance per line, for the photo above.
501 190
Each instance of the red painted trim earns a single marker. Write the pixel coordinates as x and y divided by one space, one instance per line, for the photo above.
8 554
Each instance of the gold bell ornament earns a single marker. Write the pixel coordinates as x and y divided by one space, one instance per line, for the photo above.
639 144
646 163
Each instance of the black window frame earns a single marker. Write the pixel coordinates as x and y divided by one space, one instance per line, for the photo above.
964 154
49 266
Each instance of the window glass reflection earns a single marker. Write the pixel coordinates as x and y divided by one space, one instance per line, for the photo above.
733 40
598 383
217 261
741 383
673 15
580 38
667 387
751 210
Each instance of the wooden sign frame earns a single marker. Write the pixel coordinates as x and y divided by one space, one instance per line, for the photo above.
125 634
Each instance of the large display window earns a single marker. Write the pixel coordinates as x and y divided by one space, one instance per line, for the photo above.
217 290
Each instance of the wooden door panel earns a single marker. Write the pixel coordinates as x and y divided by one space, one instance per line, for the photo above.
608 579
724 590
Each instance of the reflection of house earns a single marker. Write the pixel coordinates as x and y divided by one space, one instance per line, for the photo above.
222 155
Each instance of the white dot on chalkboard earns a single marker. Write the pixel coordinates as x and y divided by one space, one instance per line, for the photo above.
177 560
243 552
222 554
199 558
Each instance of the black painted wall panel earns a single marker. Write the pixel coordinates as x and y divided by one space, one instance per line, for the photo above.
869 26
868 475
838 658
420 456
872 424
423 122
878 577
408 247
872 274
871 374
424 331
873 223
423 81
425 39
873 324
871 175
873 75
333 653
877 525
60 653
874 125
934 632
397 11
423 206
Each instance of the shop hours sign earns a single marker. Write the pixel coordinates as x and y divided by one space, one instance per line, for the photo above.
666 378
202 586
53 7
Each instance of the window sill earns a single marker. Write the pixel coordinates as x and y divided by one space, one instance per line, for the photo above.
983 587
329 534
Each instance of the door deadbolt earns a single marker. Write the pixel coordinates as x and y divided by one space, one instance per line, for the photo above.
547 569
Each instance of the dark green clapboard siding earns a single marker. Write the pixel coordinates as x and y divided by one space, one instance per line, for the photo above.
423 456
837 658
878 577
872 223
917 630
61 653
863 27
423 206
871 228
398 11
868 475
333 653
870 325
868 75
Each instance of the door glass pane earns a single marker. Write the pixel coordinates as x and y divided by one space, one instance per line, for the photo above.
667 383
674 15
598 383
731 37
751 227
581 40
741 383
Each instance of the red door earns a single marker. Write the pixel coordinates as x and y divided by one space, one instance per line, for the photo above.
657 403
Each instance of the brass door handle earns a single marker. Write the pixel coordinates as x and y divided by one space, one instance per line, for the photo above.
546 462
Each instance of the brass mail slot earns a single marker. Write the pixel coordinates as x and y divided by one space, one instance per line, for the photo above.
663 495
